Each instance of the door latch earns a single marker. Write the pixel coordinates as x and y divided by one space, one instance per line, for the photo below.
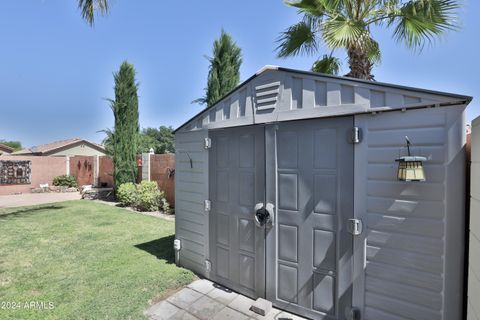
207 143
355 226
264 214
207 205
356 135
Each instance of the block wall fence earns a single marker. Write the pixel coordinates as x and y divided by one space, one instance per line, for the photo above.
95 170
160 168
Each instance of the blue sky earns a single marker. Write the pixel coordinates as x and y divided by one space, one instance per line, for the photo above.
56 71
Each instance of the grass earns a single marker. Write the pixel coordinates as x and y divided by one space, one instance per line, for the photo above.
90 260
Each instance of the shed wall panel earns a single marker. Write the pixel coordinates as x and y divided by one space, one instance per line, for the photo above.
411 228
191 190
474 255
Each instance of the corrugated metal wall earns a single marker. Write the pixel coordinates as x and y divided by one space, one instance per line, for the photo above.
474 258
413 242
191 190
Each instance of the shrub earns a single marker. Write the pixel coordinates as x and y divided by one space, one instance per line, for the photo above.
165 206
143 197
65 181
149 197
127 194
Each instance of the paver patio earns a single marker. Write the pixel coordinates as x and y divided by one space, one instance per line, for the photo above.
205 300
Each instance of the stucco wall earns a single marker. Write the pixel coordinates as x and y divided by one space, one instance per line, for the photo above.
474 257
160 167
105 171
44 169
83 168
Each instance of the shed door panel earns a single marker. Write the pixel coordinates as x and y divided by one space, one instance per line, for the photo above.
309 250
237 183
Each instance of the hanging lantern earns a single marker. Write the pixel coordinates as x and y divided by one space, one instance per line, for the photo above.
410 168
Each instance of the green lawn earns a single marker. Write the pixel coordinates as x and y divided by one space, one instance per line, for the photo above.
90 260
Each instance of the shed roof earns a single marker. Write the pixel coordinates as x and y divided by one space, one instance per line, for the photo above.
278 94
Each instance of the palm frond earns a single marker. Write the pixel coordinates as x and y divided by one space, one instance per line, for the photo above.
90 7
342 32
373 50
327 64
421 21
298 39
332 6
315 7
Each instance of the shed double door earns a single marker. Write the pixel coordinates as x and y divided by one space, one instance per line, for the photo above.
302 172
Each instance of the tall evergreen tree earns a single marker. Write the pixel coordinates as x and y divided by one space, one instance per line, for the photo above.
224 70
126 130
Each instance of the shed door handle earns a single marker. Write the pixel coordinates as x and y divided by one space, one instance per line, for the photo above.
264 214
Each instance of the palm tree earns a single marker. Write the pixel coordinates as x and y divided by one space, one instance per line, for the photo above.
90 7
327 64
346 25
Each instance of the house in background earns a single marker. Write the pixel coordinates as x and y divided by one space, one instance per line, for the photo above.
4 149
70 147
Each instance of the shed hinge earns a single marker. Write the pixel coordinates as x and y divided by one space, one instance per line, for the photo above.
355 314
356 135
207 143
207 205
208 266
355 226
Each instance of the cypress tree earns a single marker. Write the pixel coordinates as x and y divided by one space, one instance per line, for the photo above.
125 134
224 70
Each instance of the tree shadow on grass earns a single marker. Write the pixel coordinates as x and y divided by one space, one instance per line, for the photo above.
161 248
27 211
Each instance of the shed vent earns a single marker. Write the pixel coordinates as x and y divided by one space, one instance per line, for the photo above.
267 95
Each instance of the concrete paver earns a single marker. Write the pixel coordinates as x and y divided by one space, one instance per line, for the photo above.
205 308
31 199
272 315
183 315
205 300
202 285
230 314
243 304
222 295
261 306
161 311
184 298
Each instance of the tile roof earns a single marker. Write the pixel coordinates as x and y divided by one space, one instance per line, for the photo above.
48 147
5 148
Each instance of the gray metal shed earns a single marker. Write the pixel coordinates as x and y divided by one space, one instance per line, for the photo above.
287 189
